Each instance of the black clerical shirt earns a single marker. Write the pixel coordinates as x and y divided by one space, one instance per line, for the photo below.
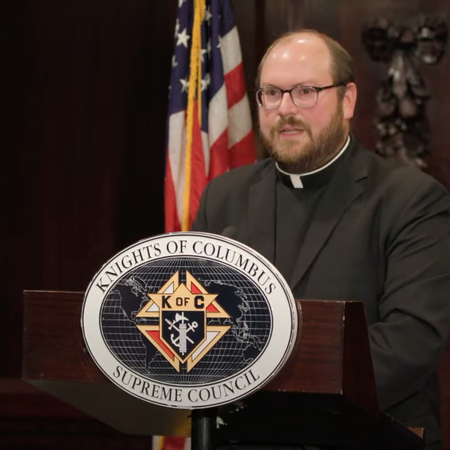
296 208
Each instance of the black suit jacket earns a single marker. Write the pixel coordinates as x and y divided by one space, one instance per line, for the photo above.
380 235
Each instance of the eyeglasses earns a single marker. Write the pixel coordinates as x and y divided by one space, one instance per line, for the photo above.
302 96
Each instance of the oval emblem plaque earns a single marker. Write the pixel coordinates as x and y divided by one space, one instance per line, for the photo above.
189 320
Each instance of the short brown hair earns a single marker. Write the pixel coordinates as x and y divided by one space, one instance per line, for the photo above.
342 66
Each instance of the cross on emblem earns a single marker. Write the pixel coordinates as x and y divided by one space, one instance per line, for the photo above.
183 335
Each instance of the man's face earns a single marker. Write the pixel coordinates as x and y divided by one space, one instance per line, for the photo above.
302 139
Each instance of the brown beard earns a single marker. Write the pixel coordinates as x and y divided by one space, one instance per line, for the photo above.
313 155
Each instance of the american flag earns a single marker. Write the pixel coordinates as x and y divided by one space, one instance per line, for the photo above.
209 128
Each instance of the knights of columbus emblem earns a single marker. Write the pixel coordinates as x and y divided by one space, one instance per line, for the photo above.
183 334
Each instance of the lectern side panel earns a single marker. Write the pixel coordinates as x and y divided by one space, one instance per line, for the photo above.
359 379
316 364
53 343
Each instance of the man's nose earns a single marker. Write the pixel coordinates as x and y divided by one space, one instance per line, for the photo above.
287 106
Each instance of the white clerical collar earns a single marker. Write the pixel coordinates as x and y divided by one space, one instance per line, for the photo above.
296 179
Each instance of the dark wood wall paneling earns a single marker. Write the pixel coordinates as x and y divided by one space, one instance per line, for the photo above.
83 111
83 90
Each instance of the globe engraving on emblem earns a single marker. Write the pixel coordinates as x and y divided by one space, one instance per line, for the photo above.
249 321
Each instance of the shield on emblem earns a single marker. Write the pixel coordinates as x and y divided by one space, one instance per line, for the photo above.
183 331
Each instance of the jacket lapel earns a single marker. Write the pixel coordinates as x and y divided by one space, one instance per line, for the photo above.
261 216
343 190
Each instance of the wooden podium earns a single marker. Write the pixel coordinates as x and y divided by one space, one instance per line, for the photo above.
324 395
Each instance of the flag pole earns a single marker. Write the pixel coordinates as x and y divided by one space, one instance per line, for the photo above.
194 92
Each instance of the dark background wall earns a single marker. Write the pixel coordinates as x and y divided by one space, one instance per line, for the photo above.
83 104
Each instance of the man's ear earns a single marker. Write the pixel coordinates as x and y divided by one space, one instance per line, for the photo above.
349 100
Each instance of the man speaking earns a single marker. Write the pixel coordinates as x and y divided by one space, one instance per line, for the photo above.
341 223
